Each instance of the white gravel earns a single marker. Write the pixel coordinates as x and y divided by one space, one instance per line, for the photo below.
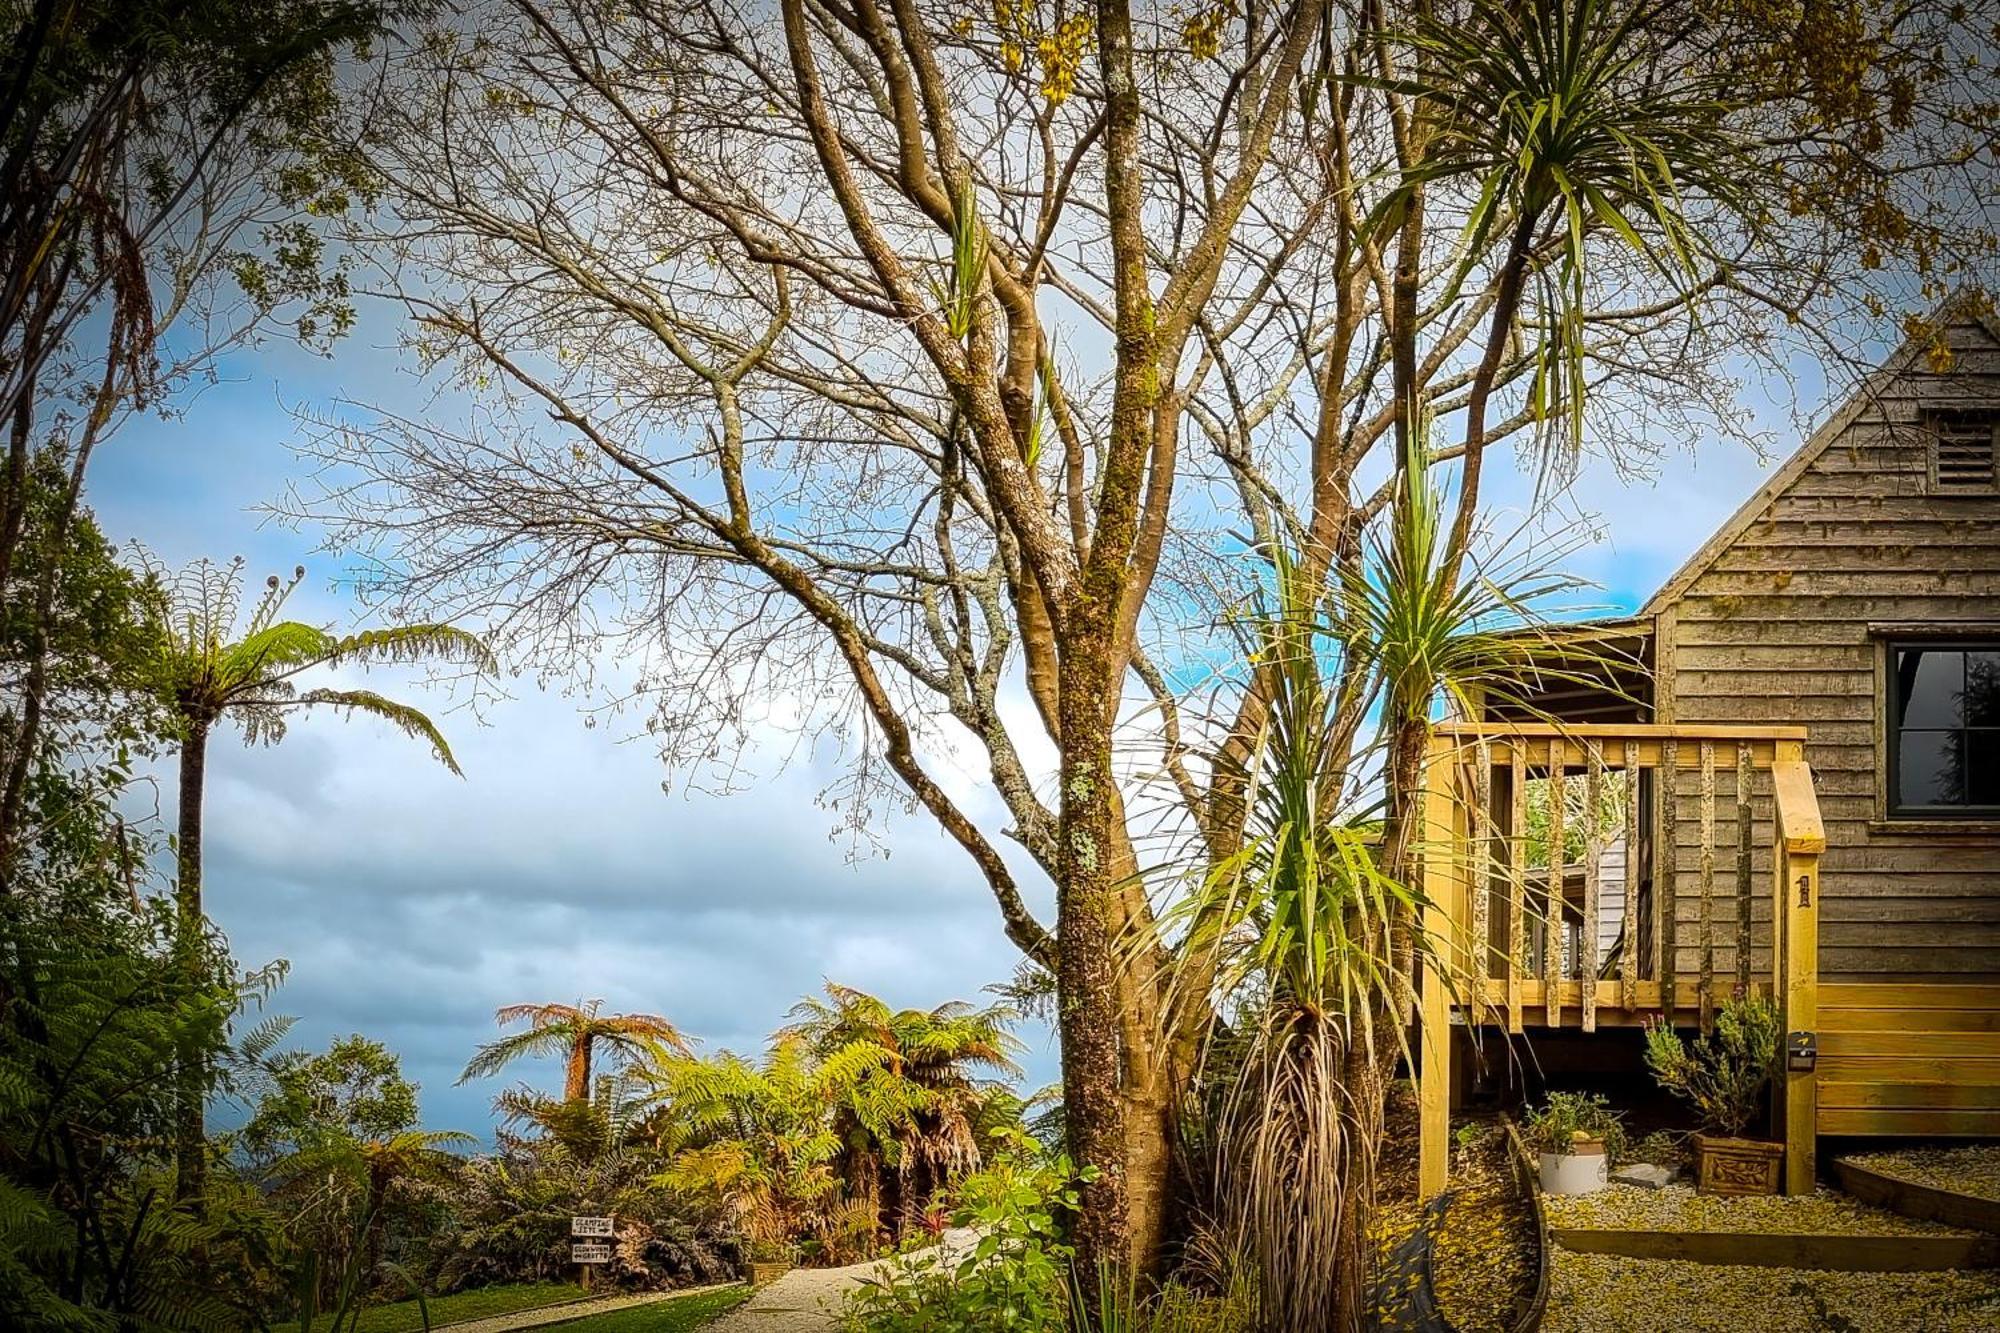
1600 1293
1679 1208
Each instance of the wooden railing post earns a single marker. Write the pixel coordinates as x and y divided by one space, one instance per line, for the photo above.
1441 850
1795 954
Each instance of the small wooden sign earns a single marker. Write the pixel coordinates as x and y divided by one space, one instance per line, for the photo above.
590 1226
590 1252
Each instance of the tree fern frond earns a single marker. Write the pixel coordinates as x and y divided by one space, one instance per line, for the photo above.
495 1056
282 648
410 721
403 644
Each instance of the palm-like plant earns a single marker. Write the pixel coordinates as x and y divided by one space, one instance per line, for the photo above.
759 1142
575 1032
1305 935
1573 119
937 1061
1291 936
204 674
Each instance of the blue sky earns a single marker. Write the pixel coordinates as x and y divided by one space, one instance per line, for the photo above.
411 904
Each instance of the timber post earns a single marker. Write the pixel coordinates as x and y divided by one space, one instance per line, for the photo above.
1800 838
1440 852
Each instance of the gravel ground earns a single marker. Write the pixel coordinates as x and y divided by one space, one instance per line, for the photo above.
807 1300
1967 1169
1482 1259
1595 1293
1679 1208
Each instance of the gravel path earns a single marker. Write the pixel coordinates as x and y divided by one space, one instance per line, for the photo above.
1679 1208
569 1310
807 1300
1972 1169
1598 1293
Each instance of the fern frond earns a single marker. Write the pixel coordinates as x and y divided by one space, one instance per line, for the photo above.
410 721
406 644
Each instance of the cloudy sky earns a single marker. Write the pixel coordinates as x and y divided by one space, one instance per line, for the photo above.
410 903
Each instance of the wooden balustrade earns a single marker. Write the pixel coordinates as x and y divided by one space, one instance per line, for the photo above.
1511 943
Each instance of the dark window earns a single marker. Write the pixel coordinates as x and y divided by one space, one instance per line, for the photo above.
1944 728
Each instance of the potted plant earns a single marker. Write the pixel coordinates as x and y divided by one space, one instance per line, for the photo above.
768 1261
1723 1074
1577 1135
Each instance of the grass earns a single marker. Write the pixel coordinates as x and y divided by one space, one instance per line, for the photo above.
669 1316
407 1317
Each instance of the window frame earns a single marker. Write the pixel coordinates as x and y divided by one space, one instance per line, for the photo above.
1968 639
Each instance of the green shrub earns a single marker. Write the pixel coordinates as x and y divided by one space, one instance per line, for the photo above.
1724 1073
1553 1126
1015 1277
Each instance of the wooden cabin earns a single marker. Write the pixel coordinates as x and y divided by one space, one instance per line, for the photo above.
1791 756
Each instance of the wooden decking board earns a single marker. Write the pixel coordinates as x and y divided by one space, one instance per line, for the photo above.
1834 1043
1909 1069
1909 1096
1941 1122
1899 995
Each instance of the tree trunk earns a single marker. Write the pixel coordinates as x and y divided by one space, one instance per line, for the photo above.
576 1080
190 1132
1150 1096
378 1223
1087 909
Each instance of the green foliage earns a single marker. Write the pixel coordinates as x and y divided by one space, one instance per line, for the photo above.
1556 111
332 1143
1015 1275
1607 821
756 1143
355 1088
1723 1074
204 674
909 1126
1555 1125
507 1212
577 1032
99 193
100 1011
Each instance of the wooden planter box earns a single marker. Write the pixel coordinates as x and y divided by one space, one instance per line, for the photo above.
1738 1166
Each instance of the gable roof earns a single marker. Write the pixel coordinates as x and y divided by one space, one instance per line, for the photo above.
1794 467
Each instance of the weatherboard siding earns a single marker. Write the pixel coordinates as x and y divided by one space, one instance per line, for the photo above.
1776 629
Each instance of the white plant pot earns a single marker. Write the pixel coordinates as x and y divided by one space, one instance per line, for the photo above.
1575 1173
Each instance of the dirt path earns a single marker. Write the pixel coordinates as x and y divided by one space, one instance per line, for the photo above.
569 1310
807 1300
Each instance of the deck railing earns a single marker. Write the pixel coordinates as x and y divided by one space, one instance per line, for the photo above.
1511 944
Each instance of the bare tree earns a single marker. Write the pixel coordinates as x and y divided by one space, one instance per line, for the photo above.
892 355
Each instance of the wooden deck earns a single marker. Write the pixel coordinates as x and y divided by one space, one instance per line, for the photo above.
1500 954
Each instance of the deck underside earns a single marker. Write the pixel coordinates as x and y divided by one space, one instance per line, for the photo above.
1894 1059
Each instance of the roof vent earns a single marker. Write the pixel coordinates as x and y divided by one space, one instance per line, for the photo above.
1962 442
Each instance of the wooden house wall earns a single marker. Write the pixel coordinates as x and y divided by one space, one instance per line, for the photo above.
1778 630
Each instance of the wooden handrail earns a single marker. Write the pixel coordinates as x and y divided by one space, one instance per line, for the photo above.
1477 889
1799 824
1641 731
